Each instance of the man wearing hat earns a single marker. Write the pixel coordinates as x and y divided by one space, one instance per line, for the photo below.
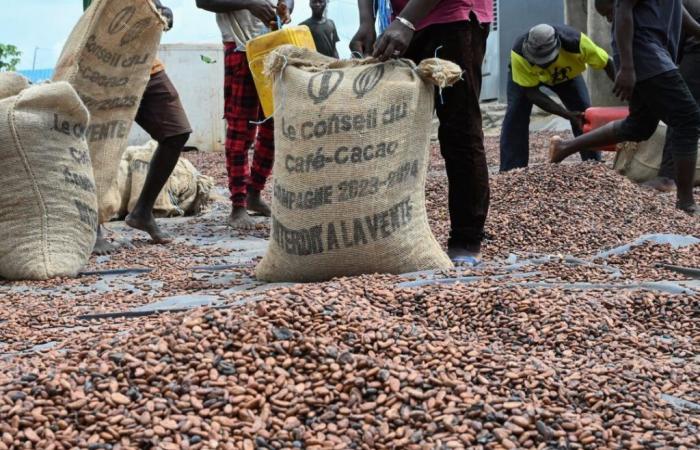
555 57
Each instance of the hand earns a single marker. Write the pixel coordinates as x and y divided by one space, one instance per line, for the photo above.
364 39
263 10
167 14
577 118
394 42
624 84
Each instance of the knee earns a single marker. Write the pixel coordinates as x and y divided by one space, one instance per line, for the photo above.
176 142
636 131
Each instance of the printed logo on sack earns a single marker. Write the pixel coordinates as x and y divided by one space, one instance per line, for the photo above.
324 84
121 20
367 80
135 31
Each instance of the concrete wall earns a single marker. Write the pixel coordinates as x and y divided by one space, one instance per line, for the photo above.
600 86
200 85
516 17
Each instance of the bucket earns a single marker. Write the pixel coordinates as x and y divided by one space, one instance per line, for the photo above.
598 117
258 48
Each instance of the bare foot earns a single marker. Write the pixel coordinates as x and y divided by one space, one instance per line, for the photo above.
240 219
555 155
149 225
102 245
661 184
257 204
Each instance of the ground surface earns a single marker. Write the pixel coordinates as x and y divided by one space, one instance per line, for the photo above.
549 342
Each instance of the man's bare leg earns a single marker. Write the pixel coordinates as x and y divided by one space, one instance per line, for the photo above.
685 175
162 165
559 149
102 245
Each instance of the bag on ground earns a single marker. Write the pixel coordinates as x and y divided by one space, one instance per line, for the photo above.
351 157
48 205
640 162
184 192
108 59
11 84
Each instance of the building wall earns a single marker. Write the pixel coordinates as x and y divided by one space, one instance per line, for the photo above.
200 85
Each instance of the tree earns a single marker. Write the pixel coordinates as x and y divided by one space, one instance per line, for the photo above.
9 57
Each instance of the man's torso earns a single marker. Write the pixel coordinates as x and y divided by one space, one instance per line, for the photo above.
448 11
240 26
324 34
569 64
657 34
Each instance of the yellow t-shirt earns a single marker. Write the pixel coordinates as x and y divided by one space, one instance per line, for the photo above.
576 54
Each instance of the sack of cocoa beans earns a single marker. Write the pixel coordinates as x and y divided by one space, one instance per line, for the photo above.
108 59
351 157
48 205
11 84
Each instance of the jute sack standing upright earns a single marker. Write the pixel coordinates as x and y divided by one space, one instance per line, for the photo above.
351 158
641 161
108 59
48 206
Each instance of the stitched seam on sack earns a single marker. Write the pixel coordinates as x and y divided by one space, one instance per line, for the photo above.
35 185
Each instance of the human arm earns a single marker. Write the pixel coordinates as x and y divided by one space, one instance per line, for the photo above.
690 25
610 69
626 78
396 39
545 103
364 39
262 9
335 40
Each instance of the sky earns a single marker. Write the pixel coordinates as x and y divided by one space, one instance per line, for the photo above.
40 27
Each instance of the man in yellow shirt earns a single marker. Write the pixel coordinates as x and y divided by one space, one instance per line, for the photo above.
554 57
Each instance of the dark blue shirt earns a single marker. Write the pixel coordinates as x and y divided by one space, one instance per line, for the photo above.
657 35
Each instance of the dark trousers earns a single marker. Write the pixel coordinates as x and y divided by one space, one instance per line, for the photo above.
515 135
664 97
690 70
461 135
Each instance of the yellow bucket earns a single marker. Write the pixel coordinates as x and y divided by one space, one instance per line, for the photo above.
258 48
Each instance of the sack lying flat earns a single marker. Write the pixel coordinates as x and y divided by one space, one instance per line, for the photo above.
48 204
351 157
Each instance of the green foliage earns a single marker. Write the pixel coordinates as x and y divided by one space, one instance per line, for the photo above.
9 57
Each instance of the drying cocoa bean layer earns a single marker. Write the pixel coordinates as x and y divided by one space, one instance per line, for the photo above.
355 363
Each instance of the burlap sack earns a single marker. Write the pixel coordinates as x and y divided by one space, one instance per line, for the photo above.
108 59
351 158
184 192
640 162
48 206
11 84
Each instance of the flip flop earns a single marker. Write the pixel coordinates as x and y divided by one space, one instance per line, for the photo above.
466 261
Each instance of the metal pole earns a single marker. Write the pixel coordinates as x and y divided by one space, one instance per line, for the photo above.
86 3
36 49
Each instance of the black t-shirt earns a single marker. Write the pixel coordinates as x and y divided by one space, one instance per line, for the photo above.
325 35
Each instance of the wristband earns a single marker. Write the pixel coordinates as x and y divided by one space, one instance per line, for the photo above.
406 23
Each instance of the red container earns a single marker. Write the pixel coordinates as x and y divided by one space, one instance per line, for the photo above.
599 116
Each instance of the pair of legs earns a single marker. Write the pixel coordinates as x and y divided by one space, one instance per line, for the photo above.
664 97
690 70
461 136
515 136
162 116
242 108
